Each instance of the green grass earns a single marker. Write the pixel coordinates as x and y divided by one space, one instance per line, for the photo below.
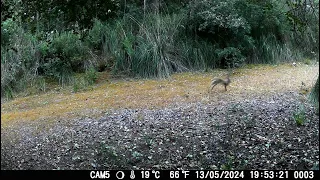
300 116
314 95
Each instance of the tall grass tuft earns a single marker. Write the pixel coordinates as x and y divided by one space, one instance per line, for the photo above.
156 53
145 48
268 50
199 55
19 59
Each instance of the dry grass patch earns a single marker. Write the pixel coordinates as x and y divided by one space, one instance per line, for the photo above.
180 88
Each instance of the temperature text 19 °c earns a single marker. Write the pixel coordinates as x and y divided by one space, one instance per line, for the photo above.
150 174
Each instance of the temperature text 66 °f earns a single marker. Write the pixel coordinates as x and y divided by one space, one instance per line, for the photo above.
176 174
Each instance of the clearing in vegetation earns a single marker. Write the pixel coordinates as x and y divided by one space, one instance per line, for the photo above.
263 121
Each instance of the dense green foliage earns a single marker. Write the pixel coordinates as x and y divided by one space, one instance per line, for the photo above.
149 38
47 15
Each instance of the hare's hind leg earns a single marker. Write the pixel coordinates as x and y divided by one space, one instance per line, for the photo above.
213 85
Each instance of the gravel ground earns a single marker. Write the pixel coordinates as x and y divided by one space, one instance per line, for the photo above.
256 133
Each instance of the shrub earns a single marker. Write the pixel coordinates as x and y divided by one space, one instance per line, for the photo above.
96 35
263 17
230 57
219 22
65 55
59 69
70 49
8 29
